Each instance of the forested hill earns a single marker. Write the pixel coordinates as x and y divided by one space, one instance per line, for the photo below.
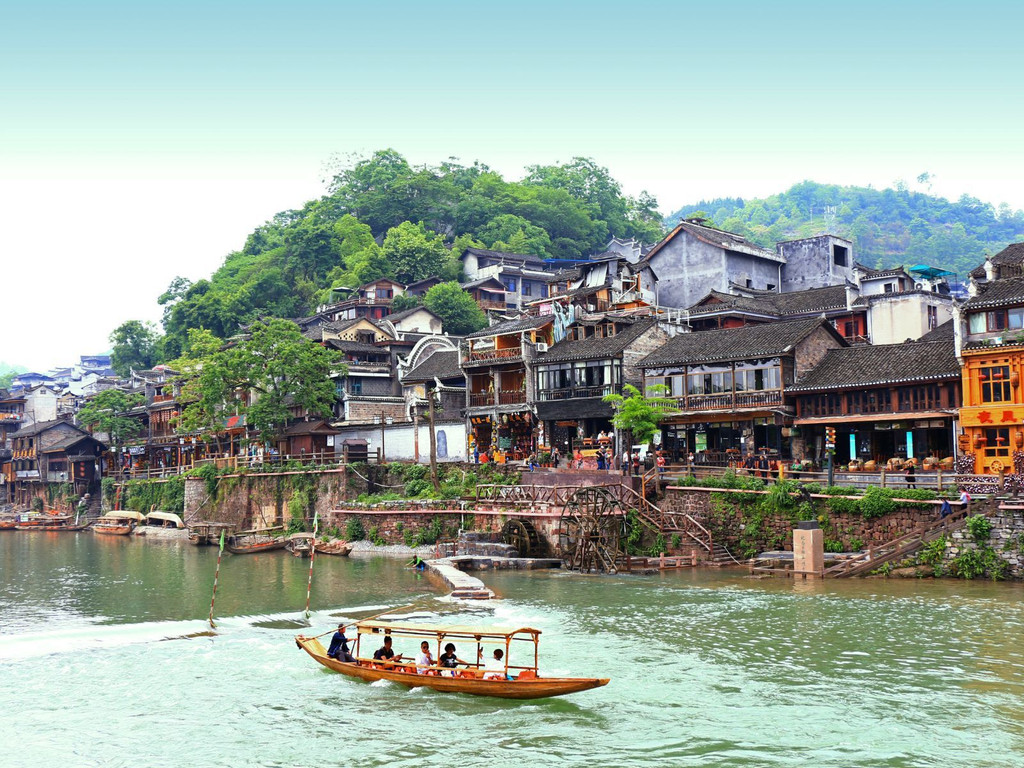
888 226
383 217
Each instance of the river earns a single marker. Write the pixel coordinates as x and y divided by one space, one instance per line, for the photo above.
105 660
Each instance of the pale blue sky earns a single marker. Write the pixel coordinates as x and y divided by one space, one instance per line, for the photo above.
139 141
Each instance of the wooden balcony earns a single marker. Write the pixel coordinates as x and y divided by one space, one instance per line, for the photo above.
11 417
480 399
489 355
163 398
569 393
486 304
769 398
511 396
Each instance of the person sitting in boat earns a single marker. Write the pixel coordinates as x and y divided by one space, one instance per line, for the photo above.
425 661
494 667
450 661
339 646
386 652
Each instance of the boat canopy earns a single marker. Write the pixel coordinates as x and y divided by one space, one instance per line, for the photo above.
301 536
166 517
438 631
124 514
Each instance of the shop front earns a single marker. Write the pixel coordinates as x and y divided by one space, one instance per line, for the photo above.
502 436
875 438
719 440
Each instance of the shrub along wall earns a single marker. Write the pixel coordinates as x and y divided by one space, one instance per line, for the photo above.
751 517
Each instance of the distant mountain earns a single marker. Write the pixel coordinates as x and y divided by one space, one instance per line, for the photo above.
888 227
8 372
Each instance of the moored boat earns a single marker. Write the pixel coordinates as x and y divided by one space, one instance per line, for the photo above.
119 523
337 547
250 545
47 522
301 544
513 681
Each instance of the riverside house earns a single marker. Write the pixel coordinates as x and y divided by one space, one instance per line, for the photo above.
730 385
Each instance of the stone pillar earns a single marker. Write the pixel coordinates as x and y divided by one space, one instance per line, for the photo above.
808 550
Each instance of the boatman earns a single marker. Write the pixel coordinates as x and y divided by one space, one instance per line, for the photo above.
339 646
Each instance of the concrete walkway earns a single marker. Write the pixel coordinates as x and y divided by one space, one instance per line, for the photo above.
469 587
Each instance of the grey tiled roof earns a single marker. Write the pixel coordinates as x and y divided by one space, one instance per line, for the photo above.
766 340
42 426
943 332
442 364
780 304
512 326
597 348
1011 256
528 258
998 293
865 365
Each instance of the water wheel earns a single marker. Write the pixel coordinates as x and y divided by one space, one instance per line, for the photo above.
523 536
590 530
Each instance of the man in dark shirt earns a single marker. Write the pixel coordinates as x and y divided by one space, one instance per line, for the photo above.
386 652
339 646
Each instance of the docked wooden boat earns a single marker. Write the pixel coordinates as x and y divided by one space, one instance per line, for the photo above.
120 523
515 681
301 544
208 534
337 547
8 524
251 545
48 522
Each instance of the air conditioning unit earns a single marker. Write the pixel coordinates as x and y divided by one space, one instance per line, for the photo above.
542 346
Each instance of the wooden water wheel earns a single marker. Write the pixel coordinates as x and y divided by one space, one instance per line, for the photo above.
590 530
523 536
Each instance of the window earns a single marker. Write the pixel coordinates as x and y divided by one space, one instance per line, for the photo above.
933 317
384 293
770 287
840 254
996 320
510 284
976 322
889 287
355 387
997 441
526 288
995 384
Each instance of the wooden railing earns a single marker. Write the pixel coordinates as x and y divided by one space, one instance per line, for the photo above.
511 396
511 353
933 479
761 399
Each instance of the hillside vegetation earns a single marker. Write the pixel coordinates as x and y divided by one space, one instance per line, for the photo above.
383 217
888 227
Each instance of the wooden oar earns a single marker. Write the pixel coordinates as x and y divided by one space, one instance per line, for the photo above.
368 618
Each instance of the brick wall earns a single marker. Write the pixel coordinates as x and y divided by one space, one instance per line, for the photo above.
642 346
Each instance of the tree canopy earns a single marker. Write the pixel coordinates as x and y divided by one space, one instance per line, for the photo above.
639 414
135 345
107 412
261 376
459 312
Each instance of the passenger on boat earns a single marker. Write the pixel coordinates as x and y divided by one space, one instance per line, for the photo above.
339 646
425 660
450 661
494 668
386 652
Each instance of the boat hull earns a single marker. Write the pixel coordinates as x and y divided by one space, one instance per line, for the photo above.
251 549
107 529
338 551
537 688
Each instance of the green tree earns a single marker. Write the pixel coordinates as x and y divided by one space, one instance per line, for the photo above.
459 313
413 253
638 414
514 234
135 345
405 301
262 376
108 412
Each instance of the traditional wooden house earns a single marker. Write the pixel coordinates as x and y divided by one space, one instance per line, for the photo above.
54 452
730 386
595 359
498 363
892 401
989 332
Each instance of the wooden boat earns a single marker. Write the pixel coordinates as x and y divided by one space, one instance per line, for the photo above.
208 533
301 544
337 548
120 523
250 545
8 525
473 679
48 522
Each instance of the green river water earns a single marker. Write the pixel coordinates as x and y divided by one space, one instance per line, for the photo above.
101 665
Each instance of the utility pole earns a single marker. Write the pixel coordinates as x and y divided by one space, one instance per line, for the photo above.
433 442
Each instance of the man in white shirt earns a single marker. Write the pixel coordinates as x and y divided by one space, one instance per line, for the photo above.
424 661
494 668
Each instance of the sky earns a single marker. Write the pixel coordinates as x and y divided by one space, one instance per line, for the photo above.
140 141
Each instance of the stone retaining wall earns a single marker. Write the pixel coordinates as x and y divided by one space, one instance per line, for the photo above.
727 520
1007 540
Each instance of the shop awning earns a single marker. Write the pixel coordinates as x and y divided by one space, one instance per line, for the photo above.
862 417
